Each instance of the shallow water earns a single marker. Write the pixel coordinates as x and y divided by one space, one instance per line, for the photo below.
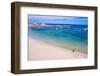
65 36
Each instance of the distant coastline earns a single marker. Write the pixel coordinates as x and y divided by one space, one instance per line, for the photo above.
32 25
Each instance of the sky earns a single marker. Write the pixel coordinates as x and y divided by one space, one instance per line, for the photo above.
57 19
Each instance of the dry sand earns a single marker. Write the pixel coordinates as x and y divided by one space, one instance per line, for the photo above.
39 50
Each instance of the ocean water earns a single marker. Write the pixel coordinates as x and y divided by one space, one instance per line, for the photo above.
65 36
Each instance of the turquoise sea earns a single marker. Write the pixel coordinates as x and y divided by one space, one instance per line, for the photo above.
68 36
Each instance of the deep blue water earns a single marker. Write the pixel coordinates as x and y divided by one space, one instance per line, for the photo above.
66 36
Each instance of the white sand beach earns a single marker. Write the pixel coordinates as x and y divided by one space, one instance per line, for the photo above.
39 50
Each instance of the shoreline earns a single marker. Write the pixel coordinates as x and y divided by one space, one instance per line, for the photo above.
39 50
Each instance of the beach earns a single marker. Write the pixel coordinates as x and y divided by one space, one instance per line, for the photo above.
39 50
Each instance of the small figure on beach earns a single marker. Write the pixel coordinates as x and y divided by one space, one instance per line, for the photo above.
73 50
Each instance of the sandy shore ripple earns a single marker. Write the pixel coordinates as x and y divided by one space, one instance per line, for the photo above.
39 50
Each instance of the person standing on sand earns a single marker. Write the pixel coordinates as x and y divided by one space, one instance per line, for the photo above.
73 50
